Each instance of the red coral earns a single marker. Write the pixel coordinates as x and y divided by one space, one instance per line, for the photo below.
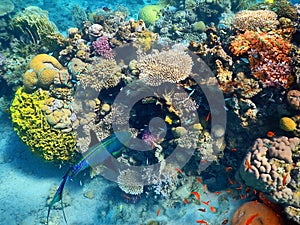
268 55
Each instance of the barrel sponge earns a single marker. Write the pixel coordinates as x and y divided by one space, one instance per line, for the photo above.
32 127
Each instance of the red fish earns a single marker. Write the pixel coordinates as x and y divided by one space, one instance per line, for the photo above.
285 179
230 181
202 222
158 212
204 187
186 201
207 117
199 180
270 134
197 195
206 203
255 202
248 164
251 218
178 170
233 149
212 209
228 168
218 192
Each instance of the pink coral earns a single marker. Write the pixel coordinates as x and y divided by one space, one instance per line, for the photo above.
101 47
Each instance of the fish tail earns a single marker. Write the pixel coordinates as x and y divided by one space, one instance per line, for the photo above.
58 196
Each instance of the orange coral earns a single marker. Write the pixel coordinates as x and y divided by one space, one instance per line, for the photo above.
268 55
255 214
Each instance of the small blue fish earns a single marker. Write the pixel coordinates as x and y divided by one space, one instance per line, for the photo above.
95 155
245 60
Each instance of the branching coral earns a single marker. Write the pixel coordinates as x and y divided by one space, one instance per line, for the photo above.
167 66
32 127
268 55
130 183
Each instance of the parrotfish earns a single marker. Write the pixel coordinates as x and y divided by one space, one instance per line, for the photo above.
95 155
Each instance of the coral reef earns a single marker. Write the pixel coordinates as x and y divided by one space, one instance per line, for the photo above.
268 55
32 25
42 71
255 214
129 181
150 13
6 7
166 66
272 166
255 19
32 127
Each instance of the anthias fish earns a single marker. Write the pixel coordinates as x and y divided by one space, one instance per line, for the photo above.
95 155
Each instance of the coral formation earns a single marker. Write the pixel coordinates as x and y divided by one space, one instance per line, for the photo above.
287 124
32 127
260 214
255 19
129 181
293 97
6 7
32 25
268 55
150 13
42 71
272 167
166 66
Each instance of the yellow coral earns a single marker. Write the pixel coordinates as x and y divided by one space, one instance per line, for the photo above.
287 124
33 129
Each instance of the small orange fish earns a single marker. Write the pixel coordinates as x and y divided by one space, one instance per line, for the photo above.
248 189
230 181
255 202
241 196
285 179
228 191
204 187
270 134
212 209
199 180
158 212
186 201
218 192
248 164
251 218
240 187
254 192
233 149
197 195
204 161
228 168
202 222
207 117
206 203
202 210
178 170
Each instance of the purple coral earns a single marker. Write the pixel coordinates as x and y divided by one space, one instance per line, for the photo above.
101 47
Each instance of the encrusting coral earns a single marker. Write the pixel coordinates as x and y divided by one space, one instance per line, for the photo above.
32 127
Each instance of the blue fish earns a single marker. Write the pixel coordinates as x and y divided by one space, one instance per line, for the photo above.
95 155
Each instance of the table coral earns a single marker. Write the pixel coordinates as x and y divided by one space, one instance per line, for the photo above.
272 166
32 127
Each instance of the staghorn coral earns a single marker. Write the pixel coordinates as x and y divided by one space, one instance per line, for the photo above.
32 127
166 66
255 19
268 55
272 166
129 181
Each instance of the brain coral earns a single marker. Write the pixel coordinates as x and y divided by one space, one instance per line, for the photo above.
255 19
166 66
41 73
33 129
272 166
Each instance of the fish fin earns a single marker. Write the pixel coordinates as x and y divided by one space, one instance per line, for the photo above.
58 195
94 138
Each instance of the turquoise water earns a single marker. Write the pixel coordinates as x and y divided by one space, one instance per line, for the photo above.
208 95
